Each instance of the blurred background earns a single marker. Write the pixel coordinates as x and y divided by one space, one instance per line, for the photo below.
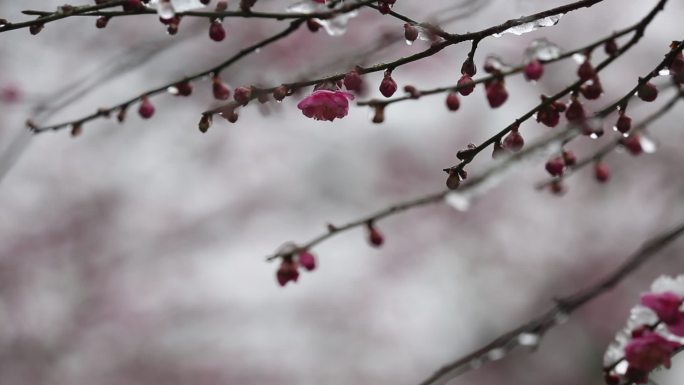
134 253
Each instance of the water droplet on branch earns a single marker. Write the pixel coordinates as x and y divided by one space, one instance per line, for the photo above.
532 25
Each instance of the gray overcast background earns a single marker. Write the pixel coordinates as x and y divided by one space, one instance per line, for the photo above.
134 253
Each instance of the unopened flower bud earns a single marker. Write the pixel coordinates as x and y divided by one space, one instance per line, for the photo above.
624 123
647 92
280 93
352 81
601 172
452 101
375 238
533 70
242 95
514 141
220 90
307 260
410 32
205 122
146 109
496 93
388 86
586 71
465 85
216 31
555 166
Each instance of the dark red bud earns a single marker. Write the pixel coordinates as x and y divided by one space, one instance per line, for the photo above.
184 88
496 93
242 95
575 111
633 144
514 141
465 85
601 172
586 71
410 32
101 22
205 123
624 124
352 80
452 101
287 272
388 86
453 180
468 67
313 25
216 31
220 90
307 260
375 238
569 158
555 166
647 92
533 70
611 47
146 109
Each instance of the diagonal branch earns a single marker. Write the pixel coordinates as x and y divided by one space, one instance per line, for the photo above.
435 48
61 13
477 182
564 307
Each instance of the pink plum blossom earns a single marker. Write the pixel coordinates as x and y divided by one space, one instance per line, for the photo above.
649 350
665 305
326 104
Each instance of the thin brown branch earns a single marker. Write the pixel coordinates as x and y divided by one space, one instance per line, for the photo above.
476 182
222 14
638 34
611 146
564 307
455 39
62 13
105 112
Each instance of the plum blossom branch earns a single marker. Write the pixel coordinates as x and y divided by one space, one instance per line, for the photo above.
61 13
255 91
476 182
220 14
437 47
106 112
473 184
609 147
525 334
638 34
505 73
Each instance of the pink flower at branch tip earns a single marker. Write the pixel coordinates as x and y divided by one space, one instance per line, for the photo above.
326 104
667 306
649 351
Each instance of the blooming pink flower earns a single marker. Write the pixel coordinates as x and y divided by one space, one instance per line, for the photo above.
649 350
326 104
665 305
307 260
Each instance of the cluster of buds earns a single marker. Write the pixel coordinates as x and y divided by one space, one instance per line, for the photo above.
290 265
654 333
385 6
557 165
